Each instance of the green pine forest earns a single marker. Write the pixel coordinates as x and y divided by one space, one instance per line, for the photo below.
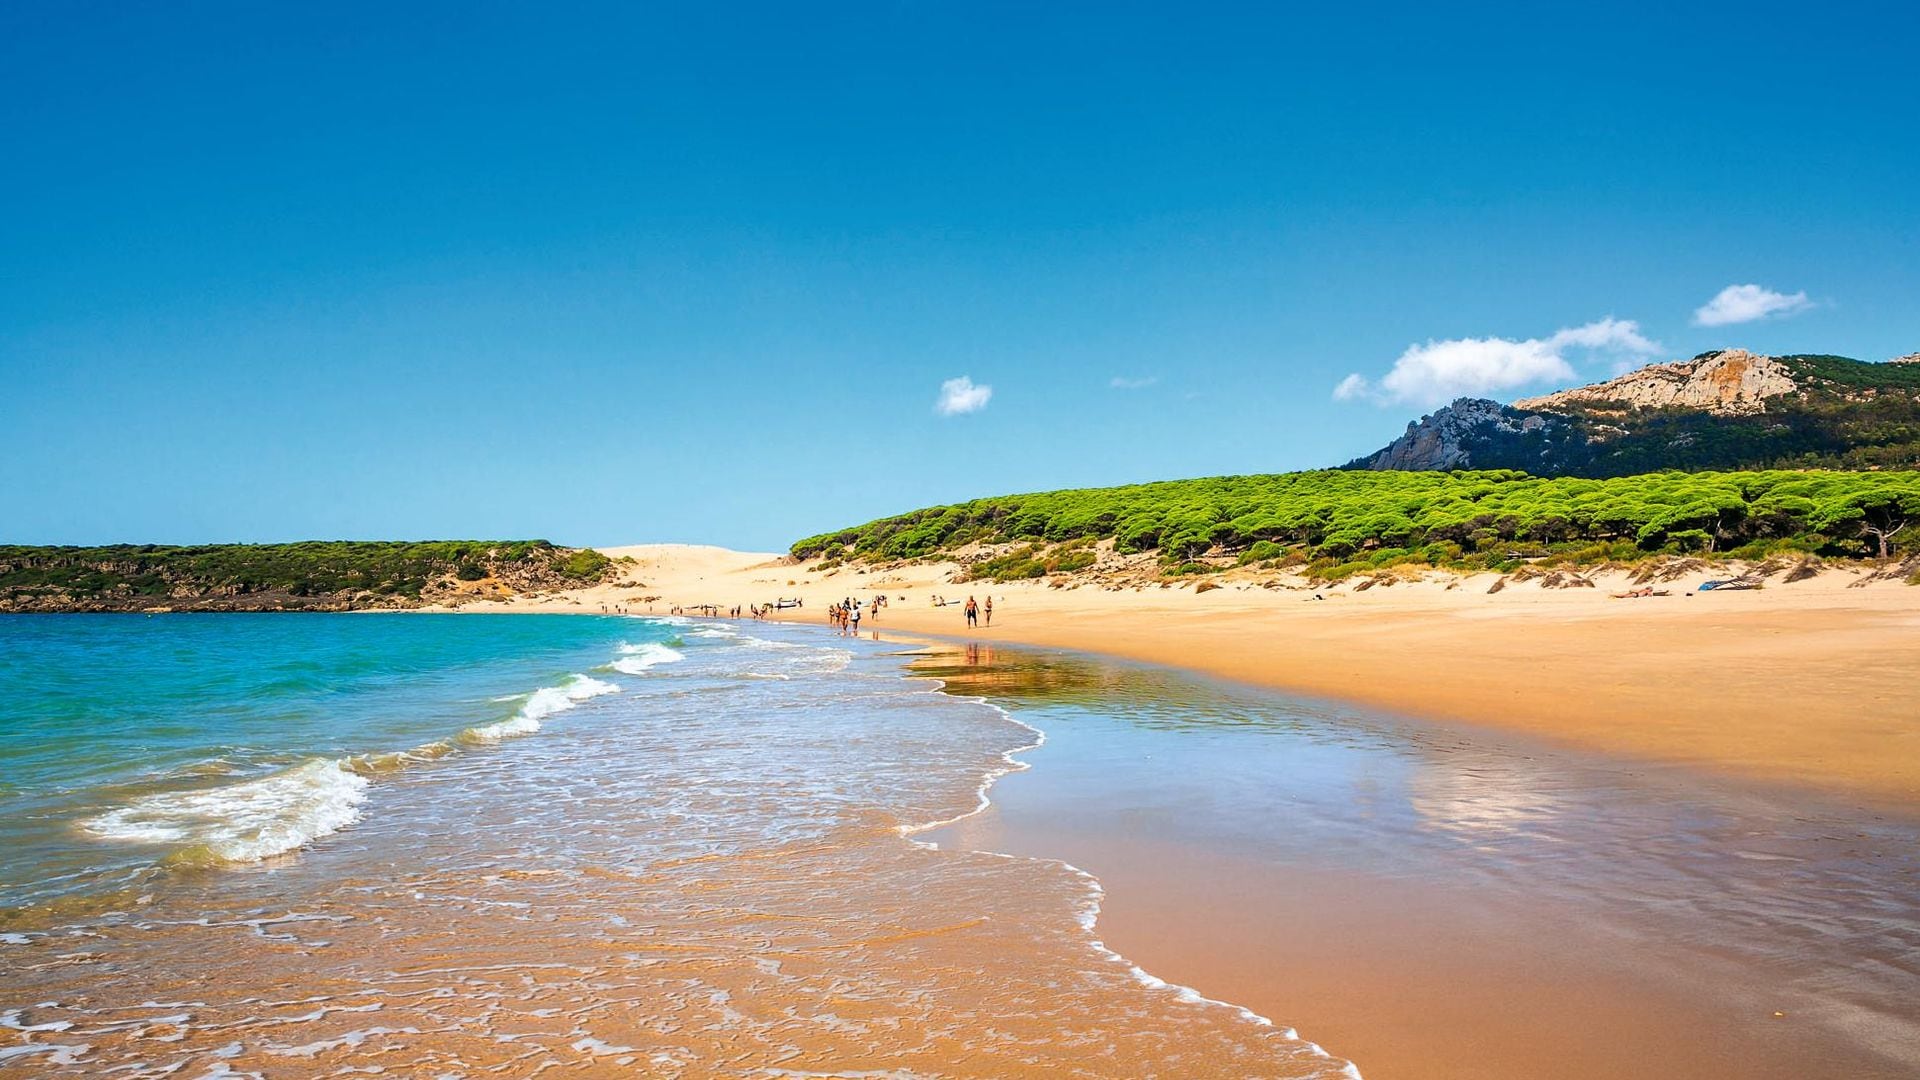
1339 522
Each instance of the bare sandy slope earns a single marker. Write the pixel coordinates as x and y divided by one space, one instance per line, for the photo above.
1812 682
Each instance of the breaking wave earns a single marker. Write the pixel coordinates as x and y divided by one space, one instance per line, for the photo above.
539 705
242 822
285 810
636 659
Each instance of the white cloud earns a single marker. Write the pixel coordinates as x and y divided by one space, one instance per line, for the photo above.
1610 334
1439 371
1745 303
959 396
1122 382
1351 387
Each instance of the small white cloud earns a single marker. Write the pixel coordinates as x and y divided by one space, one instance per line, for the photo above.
1439 371
1618 335
959 396
1123 382
1745 303
1352 387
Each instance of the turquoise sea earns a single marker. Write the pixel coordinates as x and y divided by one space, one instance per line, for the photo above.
130 741
496 845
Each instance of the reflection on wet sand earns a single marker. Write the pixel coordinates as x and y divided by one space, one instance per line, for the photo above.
1478 806
1730 929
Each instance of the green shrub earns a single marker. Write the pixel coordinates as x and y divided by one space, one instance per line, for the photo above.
1261 551
305 569
584 564
1078 559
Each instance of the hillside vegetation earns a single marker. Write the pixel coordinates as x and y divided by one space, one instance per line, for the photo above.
1339 521
323 575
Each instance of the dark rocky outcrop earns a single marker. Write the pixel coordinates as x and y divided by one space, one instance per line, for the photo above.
1452 436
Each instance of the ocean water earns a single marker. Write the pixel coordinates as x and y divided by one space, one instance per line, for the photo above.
132 743
317 845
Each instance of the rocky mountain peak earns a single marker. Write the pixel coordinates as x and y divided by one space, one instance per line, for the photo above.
1445 438
1731 382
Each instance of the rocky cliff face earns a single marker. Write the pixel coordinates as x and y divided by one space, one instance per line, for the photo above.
1448 437
1734 382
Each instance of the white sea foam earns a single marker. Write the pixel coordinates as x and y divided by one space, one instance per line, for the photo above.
57 1053
539 705
983 800
1089 918
636 659
12 1018
245 821
351 1040
795 659
270 815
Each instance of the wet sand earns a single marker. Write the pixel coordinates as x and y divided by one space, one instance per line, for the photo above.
1441 907
1422 983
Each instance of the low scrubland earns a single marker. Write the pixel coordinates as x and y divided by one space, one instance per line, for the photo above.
330 573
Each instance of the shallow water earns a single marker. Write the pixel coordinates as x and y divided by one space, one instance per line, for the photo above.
654 847
708 870
1733 900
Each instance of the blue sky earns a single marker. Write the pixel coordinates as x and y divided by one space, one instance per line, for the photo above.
635 273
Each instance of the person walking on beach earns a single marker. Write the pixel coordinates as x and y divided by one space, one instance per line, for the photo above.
855 616
973 613
989 611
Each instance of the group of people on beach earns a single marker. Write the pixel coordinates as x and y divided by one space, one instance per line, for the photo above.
844 616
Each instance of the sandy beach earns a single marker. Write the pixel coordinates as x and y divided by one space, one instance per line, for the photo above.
1413 827
1800 693
1808 683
